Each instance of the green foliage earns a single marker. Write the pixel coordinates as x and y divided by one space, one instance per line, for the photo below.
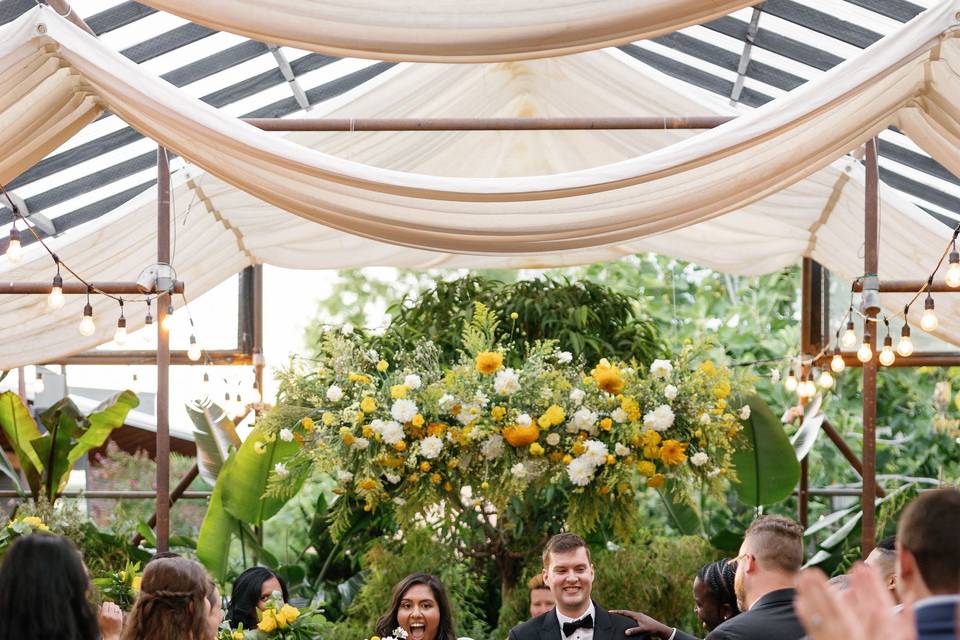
215 434
118 586
766 462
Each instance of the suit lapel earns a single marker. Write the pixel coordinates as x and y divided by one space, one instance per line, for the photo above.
550 626
603 626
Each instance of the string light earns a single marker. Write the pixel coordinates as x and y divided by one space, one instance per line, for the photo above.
194 351
849 338
865 352
120 335
14 248
255 396
205 385
826 380
905 344
928 320
887 356
55 299
837 363
806 389
167 323
87 327
148 320
790 384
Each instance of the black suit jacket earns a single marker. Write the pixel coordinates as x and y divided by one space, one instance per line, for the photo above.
937 621
770 618
547 627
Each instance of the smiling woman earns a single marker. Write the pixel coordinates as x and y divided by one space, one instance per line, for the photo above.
420 608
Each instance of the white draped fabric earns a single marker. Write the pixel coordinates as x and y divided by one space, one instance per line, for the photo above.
449 30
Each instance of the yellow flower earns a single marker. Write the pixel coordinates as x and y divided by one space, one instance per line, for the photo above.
435 478
578 448
367 484
514 315
367 431
536 449
646 468
554 415
489 361
307 424
123 576
656 481
328 418
35 522
425 466
722 389
382 366
484 485
417 420
567 459
447 486
631 406
259 447
436 429
651 438
651 451
398 391
368 404
708 367
288 613
673 452
604 490
400 446
611 459
452 463
268 622
135 585
606 424
607 377
237 635
498 412
347 436
374 637
358 377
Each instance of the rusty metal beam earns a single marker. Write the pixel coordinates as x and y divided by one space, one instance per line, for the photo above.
918 359
116 495
871 265
909 286
78 288
225 357
163 358
487 124
847 452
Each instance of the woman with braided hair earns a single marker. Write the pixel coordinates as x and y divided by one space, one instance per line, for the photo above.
713 595
177 601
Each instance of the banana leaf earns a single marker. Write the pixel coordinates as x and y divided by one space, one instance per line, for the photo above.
213 545
767 467
806 436
683 517
53 447
244 480
110 415
214 434
20 429
7 469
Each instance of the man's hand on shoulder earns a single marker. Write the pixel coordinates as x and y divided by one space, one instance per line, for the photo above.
645 624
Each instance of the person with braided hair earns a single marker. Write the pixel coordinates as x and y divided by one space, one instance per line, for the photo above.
713 594
177 601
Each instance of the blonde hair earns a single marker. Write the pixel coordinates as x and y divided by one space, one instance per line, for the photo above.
171 602
777 542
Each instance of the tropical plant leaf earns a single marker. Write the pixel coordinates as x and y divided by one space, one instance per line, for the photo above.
682 516
20 429
214 434
7 469
52 447
109 415
806 436
244 479
767 466
213 544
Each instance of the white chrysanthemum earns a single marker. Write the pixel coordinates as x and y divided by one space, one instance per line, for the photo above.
392 432
377 426
481 399
403 410
468 413
412 381
563 357
584 420
392 478
704 418
280 470
334 393
286 435
524 420
576 396
347 329
619 415
492 447
506 382
661 369
699 459
580 470
553 439
621 450
446 401
669 392
344 476
660 419
745 412
519 471
360 443
596 452
430 447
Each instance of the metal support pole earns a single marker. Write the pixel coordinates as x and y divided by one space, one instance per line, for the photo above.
163 358
78 288
22 384
258 360
486 124
870 267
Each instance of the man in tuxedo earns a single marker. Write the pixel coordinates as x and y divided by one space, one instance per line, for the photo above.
770 557
883 558
928 562
569 573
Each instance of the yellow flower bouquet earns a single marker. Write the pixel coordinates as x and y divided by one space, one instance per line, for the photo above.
279 621
120 587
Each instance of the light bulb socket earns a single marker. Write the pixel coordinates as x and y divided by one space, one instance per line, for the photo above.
14 234
57 282
905 332
954 256
193 339
888 341
928 303
169 309
206 377
148 320
88 310
121 323
851 326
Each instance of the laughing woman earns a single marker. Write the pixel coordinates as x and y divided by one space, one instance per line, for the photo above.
420 607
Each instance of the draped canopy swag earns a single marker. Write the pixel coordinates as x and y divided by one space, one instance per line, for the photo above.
449 30
754 211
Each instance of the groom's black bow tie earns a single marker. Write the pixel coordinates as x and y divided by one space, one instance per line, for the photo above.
585 622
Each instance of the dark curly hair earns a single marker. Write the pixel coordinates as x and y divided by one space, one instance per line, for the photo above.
718 577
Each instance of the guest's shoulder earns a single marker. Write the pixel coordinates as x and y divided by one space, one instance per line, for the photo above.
529 629
620 623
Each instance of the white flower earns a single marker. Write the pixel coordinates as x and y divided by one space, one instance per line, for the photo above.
412 381
563 357
430 447
576 396
774 376
660 419
584 420
745 412
661 369
372 356
699 459
621 450
481 399
446 401
399 502
619 415
524 420
286 435
344 477
596 452
704 418
280 470
519 471
360 443
403 410
347 329
669 392
492 447
334 393
713 473
392 432
468 413
553 439
580 470
613 546
506 382
393 478
377 426
399 633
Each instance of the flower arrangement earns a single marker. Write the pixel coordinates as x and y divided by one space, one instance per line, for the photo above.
398 634
21 526
418 432
121 587
279 621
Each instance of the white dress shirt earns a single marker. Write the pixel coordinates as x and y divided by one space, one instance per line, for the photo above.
581 633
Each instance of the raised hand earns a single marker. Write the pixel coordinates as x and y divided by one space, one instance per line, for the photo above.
645 624
110 620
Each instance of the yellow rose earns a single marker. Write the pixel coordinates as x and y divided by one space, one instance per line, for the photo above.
651 438
498 412
135 585
307 424
288 613
567 459
611 459
400 446
382 366
268 622
631 407
489 361
673 452
447 486
435 478
436 429
536 449
368 404
578 448
425 466
417 420
606 424
607 377
554 415
399 391
646 468
656 481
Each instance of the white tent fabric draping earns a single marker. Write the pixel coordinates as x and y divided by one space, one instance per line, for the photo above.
449 30
733 165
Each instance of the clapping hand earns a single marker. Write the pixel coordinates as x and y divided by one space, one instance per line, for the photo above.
645 624
110 621
865 611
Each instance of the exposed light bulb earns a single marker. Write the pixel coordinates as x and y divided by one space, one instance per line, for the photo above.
167 323
887 357
806 388
929 320
953 270
905 344
87 327
790 384
837 363
255 396
14 249
55 299
194 351
120 335
849 338
825 380
205 385
38 385
865 352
